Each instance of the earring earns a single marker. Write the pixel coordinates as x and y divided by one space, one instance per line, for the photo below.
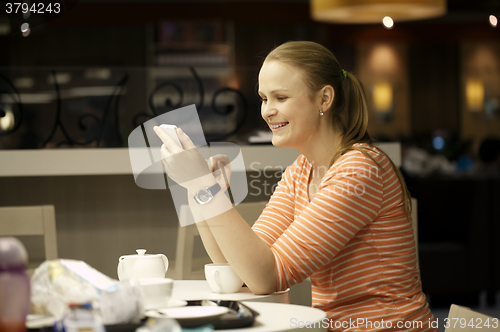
320 112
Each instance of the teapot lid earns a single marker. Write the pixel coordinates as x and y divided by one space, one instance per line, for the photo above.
141 254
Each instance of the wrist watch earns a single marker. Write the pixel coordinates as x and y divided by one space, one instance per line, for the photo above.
205 195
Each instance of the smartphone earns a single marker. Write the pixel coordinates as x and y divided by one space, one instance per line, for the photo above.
171 130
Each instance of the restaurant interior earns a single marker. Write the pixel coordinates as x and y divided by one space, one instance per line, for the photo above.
74 86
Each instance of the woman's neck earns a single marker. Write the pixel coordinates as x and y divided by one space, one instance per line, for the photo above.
322 151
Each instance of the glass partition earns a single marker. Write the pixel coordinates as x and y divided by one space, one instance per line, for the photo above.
99 107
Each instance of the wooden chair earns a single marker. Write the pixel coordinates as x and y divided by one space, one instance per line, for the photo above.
187 235
31 220
462 319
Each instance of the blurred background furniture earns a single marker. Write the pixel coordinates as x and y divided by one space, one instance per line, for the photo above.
185 265
456 237
414 219
27 221
473 320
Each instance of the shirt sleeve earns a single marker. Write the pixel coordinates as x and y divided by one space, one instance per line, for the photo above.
279 212
349 198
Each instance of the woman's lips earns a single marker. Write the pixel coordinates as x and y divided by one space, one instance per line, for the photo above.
278 126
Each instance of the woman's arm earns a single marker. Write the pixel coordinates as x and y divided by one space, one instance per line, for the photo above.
250 257
207 237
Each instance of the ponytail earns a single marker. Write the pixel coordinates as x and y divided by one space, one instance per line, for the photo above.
356 131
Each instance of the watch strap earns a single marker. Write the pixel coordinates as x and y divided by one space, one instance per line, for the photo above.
214 189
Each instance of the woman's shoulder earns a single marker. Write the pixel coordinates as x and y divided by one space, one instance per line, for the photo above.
362 155
363 151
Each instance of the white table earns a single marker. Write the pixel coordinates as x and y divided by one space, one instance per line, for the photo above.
200 290
275 312
284 317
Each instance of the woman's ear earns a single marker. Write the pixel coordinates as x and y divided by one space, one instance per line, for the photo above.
327 95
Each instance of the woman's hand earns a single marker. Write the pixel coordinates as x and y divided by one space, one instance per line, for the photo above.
221 168
182 164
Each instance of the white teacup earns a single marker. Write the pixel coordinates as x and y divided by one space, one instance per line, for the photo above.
222 278
156 292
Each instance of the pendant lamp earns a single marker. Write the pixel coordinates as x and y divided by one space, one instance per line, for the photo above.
373 11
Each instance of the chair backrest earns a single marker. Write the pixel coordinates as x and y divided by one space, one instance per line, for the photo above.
463 319
186 236
414 219
31 220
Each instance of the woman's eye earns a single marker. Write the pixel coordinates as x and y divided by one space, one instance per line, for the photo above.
282 98
264 100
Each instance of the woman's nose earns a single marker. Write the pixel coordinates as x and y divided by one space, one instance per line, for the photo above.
268 110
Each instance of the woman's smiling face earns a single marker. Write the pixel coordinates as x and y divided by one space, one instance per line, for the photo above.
286 105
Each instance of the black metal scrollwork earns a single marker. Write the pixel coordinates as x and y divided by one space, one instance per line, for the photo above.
199 106
168 101
110 115
229 109
117 90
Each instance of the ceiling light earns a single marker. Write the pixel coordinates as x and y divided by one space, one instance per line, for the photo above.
373 11
25 27
493 21
388 22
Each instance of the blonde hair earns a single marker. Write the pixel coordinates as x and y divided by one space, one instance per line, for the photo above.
349 111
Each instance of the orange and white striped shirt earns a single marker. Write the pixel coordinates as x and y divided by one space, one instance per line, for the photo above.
353 240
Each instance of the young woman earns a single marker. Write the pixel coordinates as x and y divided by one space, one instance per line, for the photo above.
340 214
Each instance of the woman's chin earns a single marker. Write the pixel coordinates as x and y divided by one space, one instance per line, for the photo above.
278 142
275 141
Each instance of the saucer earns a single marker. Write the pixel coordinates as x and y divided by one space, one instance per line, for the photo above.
189 316
176 303
171 303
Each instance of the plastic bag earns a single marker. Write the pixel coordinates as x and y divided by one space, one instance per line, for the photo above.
160 325
57 284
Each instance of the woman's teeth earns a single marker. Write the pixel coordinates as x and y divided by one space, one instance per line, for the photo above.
276 126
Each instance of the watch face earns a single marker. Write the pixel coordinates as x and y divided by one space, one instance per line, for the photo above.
204 196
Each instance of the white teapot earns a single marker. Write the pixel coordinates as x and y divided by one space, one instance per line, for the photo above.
142 266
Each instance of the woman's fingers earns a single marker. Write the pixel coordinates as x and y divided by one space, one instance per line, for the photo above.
225 174
176 158
220 159
187 143
221 167
168 143
210 163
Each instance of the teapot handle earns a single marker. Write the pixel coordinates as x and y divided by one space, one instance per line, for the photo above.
119 271
165 261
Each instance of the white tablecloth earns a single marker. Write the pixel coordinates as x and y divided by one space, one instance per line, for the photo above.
199 290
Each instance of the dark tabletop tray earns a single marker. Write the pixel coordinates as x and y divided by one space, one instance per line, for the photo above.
242 316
